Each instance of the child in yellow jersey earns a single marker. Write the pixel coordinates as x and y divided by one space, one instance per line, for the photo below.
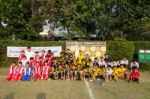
115 73
100 75
123 73
80 57
86 73
119 72
83 63
104 72
91 72
96 72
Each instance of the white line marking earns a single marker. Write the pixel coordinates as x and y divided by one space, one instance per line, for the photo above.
89 89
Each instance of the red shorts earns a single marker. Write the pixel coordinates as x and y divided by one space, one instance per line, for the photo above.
18 77
133 78
10 77
37 76
45 76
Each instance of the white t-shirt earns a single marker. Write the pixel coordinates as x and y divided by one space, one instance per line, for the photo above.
29 55
115 63
134 64
126 62
103 63
109 71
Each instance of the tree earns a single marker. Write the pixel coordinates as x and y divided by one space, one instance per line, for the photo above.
19 19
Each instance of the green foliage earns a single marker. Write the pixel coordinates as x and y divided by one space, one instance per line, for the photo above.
141 45
145 67
22 18
108 19
5 61
119 49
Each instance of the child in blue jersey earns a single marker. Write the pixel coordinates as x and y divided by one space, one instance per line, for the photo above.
27 73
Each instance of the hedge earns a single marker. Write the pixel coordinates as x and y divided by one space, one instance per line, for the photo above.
119 49
5 61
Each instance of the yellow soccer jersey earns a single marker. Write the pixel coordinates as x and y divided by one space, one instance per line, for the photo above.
115 73
80 57
83 63
119 71
96 72
123 70
103 71
86 71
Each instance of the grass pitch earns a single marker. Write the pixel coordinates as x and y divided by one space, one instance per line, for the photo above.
60 89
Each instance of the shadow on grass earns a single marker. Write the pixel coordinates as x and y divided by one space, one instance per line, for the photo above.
40 96
10 96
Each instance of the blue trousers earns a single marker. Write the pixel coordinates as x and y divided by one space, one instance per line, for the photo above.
26 77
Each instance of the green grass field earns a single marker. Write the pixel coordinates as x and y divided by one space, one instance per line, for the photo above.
60 89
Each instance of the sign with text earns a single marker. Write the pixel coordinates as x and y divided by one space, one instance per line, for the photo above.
13 51
144 56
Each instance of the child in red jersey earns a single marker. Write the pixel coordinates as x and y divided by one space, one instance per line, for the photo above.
134 75
37 71
45 71
50 56
21 55
11 75
43 55
41 62
19 72
32 63
36 56
23 61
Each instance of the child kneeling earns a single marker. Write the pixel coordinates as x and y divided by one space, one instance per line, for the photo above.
134 75
27 73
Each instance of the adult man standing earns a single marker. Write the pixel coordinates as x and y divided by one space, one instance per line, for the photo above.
29 53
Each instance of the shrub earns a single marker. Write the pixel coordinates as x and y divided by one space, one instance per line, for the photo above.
139 45
120 49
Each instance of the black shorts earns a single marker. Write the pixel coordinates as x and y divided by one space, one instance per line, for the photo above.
100 77
78 76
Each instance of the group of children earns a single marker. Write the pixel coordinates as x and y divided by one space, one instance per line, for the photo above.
68 67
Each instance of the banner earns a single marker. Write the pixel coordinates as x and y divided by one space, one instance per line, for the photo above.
94 49
13 51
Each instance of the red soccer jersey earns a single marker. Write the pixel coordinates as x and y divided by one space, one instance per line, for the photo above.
12 69
36 57
32 62
45 70
37 70
19 70
43 56
50 56
20 57
135 74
